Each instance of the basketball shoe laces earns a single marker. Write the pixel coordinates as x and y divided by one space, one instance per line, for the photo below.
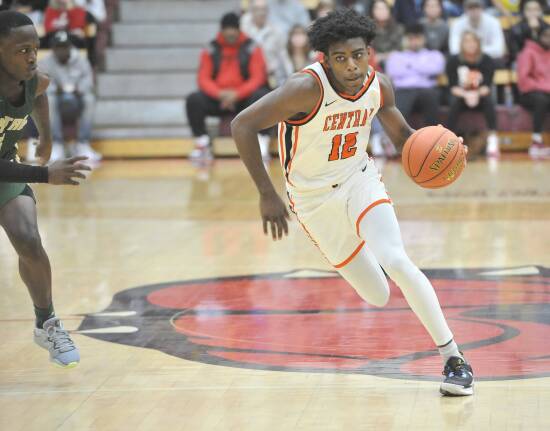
60 338
457 367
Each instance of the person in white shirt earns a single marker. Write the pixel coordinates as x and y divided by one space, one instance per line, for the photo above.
487 27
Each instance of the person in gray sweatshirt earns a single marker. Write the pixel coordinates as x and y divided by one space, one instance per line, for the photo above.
71 97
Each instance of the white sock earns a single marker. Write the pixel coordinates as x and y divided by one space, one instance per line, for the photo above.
448 350
537 137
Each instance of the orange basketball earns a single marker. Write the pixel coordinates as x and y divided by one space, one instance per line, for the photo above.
433 157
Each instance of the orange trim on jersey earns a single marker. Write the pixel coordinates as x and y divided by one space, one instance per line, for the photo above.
317 106
282 129
294 148
351 256
292 207
366 210
357 95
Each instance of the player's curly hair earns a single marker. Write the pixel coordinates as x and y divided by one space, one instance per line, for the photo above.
338 26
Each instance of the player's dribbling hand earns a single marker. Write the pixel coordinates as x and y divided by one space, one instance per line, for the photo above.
66 171
275 214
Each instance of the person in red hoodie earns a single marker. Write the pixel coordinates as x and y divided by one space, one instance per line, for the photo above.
232 75
533 67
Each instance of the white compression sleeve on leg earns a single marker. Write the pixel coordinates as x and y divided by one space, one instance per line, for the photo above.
380 230
367 278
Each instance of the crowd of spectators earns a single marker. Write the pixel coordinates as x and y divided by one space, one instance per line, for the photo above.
436 52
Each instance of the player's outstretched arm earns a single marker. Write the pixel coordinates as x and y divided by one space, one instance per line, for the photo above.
393 122
298 95
19 173
60 172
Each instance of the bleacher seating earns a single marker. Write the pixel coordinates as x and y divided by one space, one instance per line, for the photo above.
151 66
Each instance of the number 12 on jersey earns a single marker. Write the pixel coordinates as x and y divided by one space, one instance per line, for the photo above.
346 150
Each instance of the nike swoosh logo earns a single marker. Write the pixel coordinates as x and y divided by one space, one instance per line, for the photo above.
328 104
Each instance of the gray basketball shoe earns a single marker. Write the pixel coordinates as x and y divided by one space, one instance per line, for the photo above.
54 338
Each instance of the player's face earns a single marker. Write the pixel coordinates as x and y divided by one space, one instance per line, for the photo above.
349 63
18 53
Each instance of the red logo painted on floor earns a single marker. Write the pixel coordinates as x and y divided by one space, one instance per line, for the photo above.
314 321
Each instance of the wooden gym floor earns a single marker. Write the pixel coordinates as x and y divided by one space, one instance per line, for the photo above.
187 318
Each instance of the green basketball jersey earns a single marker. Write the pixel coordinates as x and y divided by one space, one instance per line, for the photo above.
12 121
14 118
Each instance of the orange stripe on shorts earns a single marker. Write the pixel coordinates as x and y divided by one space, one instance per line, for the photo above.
351 256
366 210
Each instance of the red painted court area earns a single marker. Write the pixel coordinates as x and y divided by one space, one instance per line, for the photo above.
321 324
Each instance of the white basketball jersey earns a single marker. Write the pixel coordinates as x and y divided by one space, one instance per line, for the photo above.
330 143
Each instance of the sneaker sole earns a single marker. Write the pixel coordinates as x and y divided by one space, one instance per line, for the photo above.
450 390
62 365
53 360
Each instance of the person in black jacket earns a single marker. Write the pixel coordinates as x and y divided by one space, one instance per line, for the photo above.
470 76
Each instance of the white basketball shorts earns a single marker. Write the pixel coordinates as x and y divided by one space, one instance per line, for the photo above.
331 217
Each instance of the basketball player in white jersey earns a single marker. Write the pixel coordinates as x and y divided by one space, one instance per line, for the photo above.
324 115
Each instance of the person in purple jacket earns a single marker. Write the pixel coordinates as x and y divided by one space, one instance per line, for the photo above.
414 74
